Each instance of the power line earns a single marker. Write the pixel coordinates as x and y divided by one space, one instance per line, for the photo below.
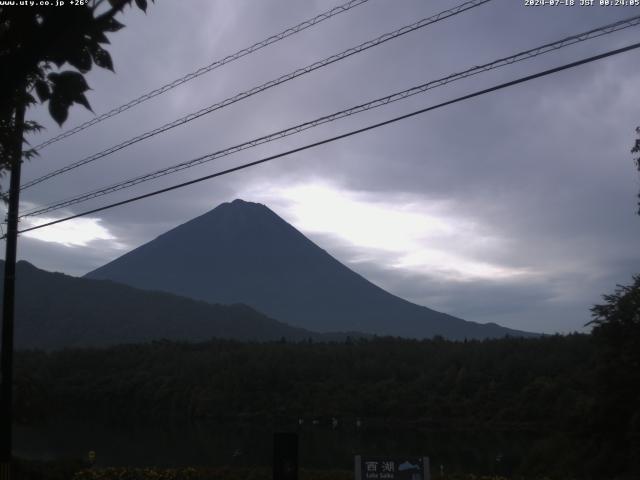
518 57
339 137
201 71
265 86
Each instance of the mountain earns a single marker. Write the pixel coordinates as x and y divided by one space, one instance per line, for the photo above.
54 310
242 252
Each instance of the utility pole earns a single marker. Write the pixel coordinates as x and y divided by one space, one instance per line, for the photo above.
6 367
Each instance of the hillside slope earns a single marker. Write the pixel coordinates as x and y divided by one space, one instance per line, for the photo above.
56 310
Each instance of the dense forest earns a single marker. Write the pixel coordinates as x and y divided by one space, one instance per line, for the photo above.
550 384
511 382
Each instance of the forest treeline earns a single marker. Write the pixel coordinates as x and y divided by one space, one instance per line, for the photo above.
551 384
535 383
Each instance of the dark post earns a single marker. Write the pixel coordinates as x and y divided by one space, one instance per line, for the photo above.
357 470
8 300
285 456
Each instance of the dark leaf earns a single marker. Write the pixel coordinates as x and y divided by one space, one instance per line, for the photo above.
82 100
68 82
68 88
42 89
100 37
58 110
29 154
118 3
29 99
80 59
112 25
58 58
102 57
31 126
142 5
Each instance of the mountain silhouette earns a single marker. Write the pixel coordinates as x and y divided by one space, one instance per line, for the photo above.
54 310
242 252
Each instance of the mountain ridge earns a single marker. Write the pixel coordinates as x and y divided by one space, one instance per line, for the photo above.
243 252
54 310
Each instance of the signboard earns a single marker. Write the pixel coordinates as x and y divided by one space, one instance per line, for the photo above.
392 468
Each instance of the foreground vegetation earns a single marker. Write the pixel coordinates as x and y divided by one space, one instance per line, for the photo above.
230 474
553 385
541 383
77 471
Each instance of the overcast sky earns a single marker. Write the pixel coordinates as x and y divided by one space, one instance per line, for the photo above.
517 207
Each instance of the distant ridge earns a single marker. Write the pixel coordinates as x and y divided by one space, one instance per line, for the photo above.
55 311
242 252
